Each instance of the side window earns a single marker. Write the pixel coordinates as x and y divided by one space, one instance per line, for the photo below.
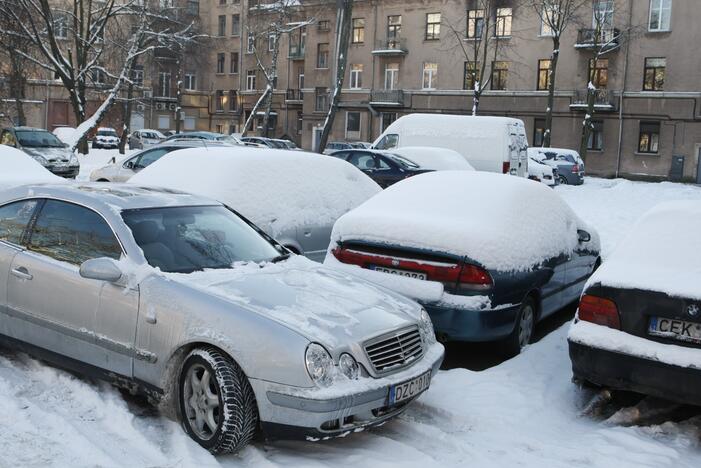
388 142
7 138
340 155
380 163
14 219
362 161
72 233
151 157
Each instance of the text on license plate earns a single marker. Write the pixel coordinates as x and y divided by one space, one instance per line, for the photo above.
677 329
407 273
409 389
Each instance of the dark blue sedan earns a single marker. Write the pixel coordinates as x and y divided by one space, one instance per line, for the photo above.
384 168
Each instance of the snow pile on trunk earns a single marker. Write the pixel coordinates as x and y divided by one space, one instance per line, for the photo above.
437 159
504 223
661 253
18 168
277 188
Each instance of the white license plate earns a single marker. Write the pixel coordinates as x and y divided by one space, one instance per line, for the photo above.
407 273
676 329
409 389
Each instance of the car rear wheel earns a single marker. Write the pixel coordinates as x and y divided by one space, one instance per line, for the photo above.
562 179
217 404
523 331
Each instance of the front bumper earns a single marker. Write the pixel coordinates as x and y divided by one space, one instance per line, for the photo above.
69 172
319 414
457 324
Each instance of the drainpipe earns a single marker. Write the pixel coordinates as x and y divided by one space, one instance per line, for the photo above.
620 99
46 107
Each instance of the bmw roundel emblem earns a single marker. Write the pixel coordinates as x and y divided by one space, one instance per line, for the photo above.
395 262
693 310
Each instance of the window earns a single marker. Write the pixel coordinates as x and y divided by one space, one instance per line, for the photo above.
603 14
300 78
649 140
236 25
430 76
300 122
149 157
654 74
220 100
164 84
251 80
356 76
358 34
500 71
220 62
272 39
233 102
550 17
251 43
538 132
322 55
599 72
392 76
72 234
97 75
190 81
433 26
234 62
596 136
394 27
387 119
323 25
222 2
321 99
660 15
503 22
61 26
14 219
471 73
475 23
137 75
164 121
222 25
352 125
388 141
544 74
189 123
193 7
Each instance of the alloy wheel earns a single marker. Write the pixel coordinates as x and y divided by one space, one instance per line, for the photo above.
201 401
525 330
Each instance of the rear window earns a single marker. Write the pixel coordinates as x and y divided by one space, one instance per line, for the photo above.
107 133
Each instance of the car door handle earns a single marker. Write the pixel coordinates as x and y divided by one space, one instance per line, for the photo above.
307 233
22 272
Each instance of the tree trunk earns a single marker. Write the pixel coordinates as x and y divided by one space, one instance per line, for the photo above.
178 93
547 136
586 123
271 82
126 118
476 98
254 111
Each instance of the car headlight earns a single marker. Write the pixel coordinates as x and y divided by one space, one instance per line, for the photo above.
349 366
40 159
319 364
426 328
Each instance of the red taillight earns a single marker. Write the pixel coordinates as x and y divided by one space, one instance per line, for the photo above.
600 311
506 167
575 168
474 277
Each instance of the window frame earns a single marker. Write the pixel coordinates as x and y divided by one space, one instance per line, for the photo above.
352 134
357 31
23 238
538 132
394 29
221 26
251 78
654 69
433 27
501 73
221 63
235 25
593 139
596 77
504 22
190 81
234 63
548 75
432 75
475 22
322 53
660 10
469 85
650 135
356 76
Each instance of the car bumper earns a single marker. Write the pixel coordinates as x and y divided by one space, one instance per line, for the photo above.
459 324
69 172
320 414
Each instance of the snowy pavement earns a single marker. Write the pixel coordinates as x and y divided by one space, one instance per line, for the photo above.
523 412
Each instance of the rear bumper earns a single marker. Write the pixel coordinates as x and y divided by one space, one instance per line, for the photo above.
456 324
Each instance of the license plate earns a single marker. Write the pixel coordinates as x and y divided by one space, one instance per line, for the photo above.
410 389
407 273
680 330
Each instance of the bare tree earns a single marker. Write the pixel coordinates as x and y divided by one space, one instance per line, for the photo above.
555 17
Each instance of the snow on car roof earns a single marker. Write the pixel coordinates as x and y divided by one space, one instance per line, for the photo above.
439 159
276 188
18 168
503 222
662 252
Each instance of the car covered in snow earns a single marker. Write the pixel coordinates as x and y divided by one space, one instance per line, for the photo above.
487 255
569 164
19 169
45 148
638 327
144 138
179 297
293 196
106 138
384 167
541 172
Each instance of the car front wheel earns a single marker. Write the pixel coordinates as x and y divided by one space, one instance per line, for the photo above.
217 404
523 331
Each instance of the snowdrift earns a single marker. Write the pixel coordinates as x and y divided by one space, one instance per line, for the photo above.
19 168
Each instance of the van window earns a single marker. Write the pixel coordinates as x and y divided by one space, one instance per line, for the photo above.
388 142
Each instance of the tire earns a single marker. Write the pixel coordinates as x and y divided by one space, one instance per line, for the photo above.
225 400
563 180
523 331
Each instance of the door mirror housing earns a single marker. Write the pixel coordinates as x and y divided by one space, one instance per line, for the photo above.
583 236
101 269
129 165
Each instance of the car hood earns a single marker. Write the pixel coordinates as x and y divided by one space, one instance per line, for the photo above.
52 155
321 304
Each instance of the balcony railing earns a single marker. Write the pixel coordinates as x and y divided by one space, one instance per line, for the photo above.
294 95
603 99
390 46
593 39
387 97
296 52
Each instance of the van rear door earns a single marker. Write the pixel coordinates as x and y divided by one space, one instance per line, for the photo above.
518 150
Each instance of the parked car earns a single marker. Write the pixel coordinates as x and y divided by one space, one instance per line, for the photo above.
65 134
295 197
569 164
488 256
267 142
45 148
144 138
180 298
437 159
18 168
106 138
638 327
336 146
206 136
541 172
125 169
384 168
361 145
491 144
288 144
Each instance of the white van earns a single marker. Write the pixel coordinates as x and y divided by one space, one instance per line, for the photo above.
491 144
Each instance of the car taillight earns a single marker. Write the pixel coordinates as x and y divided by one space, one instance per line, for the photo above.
575 168
600 311
473 277
506 167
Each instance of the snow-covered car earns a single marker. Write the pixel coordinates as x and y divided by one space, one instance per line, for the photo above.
638 326
65 134
437 159
180 298
45 148
19 169
569 164
542 172
106 138
144 138
486 254
384 167
293 196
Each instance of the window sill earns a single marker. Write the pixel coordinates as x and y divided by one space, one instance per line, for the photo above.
595 150
658 31
233 73
652 91
321 69
638 153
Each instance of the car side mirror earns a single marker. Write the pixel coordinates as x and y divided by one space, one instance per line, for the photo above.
101 269
583 236
129 165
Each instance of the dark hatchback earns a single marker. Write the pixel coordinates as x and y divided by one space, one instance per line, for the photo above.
384 168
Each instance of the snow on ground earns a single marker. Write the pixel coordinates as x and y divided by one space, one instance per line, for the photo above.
524 412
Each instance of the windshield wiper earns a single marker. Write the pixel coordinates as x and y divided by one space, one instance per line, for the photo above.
280 258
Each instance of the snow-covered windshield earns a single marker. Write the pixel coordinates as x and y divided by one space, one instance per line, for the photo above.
38 139
192 238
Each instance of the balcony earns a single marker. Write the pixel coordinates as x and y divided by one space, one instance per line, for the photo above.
394 46
604 100
608 39
294 96
296 52
387 97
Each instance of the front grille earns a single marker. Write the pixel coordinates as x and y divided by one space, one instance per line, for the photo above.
394 350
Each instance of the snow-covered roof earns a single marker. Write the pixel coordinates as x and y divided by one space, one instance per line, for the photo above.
503 222
439 159
662 252
18 168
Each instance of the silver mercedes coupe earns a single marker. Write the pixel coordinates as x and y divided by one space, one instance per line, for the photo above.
181 298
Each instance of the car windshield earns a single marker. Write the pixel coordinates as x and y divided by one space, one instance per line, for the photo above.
111 133
404 162
38 139
193 238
